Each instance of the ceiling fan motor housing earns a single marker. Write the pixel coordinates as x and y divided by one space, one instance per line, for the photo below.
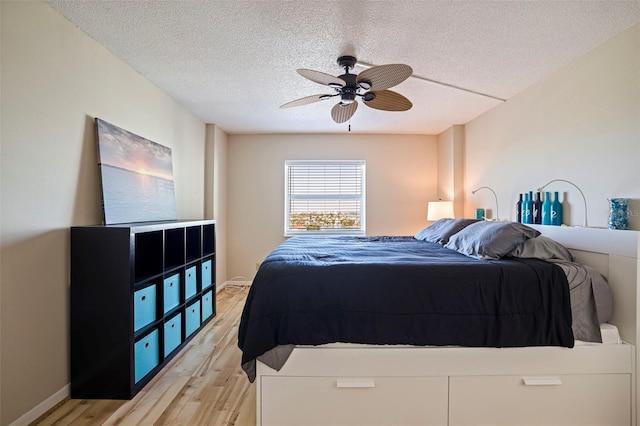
350 89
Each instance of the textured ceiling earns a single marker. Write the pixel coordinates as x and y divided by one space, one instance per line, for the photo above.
233 63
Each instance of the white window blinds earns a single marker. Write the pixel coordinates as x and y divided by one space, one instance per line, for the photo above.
324 197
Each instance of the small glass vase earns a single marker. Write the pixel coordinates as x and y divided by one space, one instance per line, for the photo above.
618 213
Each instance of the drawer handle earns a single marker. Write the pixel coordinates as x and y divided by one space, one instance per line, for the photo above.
356 383
143 298
542 381
146 345
173 325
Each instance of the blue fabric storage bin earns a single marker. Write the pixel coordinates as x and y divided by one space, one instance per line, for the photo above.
191 283
207 305
172 334
171 292
146 355
144 307
206 274
192 318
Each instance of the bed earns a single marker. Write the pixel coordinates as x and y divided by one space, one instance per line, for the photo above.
467 333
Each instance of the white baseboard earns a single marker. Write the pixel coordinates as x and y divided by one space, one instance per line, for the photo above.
232 282
40 409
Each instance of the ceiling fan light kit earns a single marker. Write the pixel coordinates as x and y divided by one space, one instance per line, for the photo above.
371 85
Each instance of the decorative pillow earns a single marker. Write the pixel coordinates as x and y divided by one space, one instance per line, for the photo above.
542 247
441 230
490 240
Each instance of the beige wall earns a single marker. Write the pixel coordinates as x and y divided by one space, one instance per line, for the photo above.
401 177
55 80
451 167
582 124
216 193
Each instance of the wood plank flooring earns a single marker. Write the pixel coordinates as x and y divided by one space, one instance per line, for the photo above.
202 385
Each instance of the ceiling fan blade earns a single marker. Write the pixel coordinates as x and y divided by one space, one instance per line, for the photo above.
383 77
341 113
306 100
388 100
321 77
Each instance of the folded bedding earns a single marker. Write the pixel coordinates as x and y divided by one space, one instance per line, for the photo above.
409 291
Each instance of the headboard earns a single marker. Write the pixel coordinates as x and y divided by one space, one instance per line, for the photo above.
616 255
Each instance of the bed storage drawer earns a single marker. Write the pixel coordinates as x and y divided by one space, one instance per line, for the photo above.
354 400
585 399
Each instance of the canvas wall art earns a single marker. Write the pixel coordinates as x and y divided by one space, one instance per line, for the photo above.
136 177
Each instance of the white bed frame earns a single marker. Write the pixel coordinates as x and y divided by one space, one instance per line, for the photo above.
590 384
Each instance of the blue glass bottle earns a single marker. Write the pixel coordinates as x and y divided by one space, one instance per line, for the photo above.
519 209
556 210
546 209
527 209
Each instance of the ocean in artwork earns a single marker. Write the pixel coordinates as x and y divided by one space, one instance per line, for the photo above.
135 197
137 177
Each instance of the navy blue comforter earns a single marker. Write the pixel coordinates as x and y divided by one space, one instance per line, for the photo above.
399 290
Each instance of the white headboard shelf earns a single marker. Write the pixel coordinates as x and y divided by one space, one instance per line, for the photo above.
615 254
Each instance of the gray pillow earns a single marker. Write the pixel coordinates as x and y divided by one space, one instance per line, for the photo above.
490 240
441 230
542 247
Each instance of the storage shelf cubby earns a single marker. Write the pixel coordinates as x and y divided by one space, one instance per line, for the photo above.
173 248
139 293
194 243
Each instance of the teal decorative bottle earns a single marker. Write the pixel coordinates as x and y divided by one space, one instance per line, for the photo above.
556 210
546 209
527 209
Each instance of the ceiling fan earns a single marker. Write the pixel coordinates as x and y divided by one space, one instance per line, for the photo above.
371 85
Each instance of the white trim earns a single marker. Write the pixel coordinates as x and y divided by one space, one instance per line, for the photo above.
40 409
232 282
288 164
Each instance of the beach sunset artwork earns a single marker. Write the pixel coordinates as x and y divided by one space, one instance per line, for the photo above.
136 175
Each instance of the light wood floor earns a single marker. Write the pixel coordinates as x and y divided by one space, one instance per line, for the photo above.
202 385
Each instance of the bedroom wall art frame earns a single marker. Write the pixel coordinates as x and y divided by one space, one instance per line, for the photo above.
136 177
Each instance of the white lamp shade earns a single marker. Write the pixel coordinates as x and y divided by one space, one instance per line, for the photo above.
439 210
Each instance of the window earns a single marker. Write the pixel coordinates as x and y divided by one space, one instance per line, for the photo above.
324 197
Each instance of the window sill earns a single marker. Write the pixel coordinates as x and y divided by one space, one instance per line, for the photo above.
324 233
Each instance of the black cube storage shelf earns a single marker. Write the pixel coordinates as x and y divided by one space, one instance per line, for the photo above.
139 293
